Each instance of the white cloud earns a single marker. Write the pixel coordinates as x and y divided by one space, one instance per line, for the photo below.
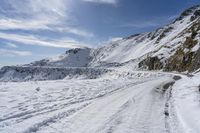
7 52
75 31
11 45
51 11
33 40
6 24
50 15
10 24
113 2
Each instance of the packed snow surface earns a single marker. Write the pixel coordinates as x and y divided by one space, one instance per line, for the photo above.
139 102
102 90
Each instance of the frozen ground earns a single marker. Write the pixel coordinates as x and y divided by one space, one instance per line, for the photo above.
146 102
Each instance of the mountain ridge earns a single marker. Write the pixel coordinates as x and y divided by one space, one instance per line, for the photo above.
101 56
174 47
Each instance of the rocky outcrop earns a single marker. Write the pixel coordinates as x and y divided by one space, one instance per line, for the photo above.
186 57
180 61
187 12
151 63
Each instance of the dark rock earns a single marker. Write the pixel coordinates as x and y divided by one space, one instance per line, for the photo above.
189 75
195 16
196 61
163 34
187 12
192 18
184 61
199 88
132 36
76 50
166 113
37 89
152 63
167 85
197 13
177 77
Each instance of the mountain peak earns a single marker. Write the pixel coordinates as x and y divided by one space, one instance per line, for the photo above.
193 11
76 50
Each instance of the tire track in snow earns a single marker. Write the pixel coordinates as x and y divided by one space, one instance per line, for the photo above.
100 113
54 119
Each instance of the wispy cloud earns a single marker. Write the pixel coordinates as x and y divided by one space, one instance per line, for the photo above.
39 11
52 15
11 45
8 52
33 40
112 2
13 24
75 31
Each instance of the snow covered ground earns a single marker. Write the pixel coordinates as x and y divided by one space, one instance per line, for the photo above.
99 90
143 102
185 104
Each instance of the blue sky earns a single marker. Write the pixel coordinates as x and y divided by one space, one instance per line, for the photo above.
35 29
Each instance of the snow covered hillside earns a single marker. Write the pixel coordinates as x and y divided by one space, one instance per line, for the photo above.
19 74
158 49
180 38
78 57
110 89
174 47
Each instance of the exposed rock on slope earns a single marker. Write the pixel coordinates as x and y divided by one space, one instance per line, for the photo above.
184 56
174 47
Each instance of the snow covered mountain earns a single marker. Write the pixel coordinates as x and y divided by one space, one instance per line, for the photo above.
174 47
156 50
78 57
105 90
177 42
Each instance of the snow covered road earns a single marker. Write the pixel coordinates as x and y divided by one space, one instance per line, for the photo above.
123 105
133 109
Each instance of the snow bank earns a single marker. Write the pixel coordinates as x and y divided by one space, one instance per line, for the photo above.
17 73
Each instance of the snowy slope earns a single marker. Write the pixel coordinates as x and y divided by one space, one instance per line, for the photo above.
47 106
162 43
102 91
78 57
131 51
138 104
185 103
